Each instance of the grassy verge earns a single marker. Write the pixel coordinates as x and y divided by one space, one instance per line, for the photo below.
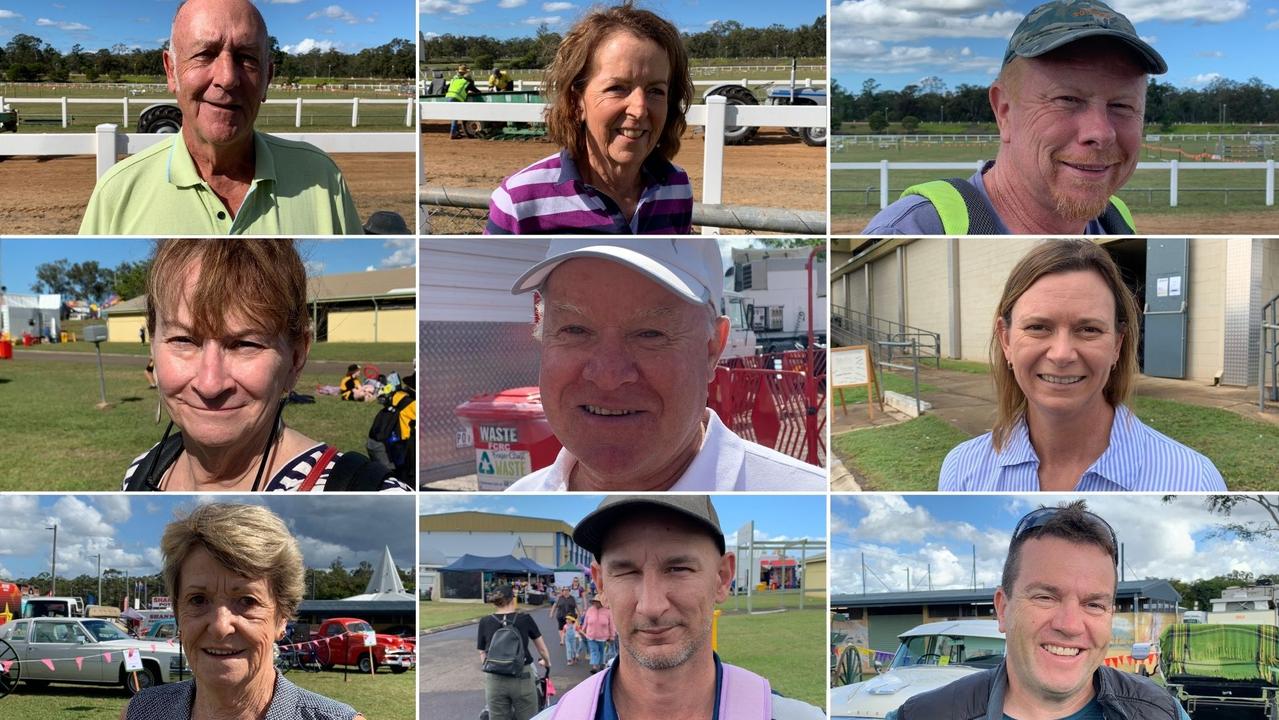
438 614
890 381
906 456
787 648
1242 449
55 439
343 352
383 697
967 366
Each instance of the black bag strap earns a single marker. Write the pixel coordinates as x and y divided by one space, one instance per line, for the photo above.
1113 221
353 472
980 219
152 467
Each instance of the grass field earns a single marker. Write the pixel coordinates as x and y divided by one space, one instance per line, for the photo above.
382 697
890 381
788 648
47 118
56 440
438 614
903 457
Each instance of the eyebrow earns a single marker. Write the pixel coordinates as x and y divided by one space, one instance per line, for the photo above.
649 313
1044 319
1053 589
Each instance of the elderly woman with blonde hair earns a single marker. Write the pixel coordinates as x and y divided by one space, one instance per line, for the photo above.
1064 359
235 575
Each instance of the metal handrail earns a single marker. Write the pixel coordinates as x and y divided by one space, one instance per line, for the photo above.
1268 347
871 329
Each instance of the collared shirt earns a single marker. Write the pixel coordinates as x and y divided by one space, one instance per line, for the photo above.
296 190
725 462
1137 458
550 197
915 214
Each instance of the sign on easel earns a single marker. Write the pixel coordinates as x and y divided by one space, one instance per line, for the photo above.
852 367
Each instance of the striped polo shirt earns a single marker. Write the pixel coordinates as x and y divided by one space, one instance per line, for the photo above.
550 197
1137 459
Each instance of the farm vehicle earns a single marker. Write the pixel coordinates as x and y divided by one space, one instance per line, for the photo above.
1229 668
8 119
340 641
774 94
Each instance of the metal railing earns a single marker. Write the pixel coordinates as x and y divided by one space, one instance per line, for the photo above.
1268 360
913 354
853 327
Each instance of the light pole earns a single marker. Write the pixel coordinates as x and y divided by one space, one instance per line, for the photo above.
99 598
53 563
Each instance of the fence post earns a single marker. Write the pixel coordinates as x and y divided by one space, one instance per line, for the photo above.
1172 184
1270 182
125 121
408 113
64 112
713 159
355 112
883 184
106 150
297 118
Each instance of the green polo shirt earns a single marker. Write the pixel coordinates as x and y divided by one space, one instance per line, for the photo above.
296 190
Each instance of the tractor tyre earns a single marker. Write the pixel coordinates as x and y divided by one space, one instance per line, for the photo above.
165 119
813 136
738 95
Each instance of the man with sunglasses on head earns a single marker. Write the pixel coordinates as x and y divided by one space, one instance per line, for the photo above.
1055 605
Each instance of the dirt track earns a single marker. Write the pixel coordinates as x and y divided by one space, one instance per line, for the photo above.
774 170
1248 222
47 195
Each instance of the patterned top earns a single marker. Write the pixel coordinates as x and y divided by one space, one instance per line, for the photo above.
290 702
1137 459
289 478
550 196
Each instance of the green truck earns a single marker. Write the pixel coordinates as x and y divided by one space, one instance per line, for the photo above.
1231 668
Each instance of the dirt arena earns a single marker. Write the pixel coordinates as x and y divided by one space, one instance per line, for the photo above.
47 195
1247 222
773 170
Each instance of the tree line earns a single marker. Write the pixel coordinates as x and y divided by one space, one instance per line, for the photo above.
335 583
90 281
1222 100
727 39
27 58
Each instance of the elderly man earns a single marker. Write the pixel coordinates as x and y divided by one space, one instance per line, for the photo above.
1069 102
1055 605
630 333
219 176
661 568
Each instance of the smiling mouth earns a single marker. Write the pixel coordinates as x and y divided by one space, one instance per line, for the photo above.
1060 651
222 653
607 412
1061 379
631 133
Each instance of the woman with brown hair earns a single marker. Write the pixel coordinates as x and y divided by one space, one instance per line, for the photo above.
230 336
617 92
1064 358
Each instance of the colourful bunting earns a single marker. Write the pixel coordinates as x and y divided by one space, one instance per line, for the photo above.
79 662
48 663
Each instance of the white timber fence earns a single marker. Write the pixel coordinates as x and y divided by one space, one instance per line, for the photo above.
522 85
107 143
715 115
1173 167
126 103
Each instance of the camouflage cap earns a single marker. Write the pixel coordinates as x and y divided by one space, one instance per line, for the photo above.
1061 22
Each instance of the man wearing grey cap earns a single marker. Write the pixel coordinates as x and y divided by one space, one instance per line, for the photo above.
661 567
630 333
1069 101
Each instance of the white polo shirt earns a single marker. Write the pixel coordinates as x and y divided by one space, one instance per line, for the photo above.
726 462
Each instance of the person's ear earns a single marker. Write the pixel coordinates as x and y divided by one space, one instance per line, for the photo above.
725 574
1002 334
1000 104
716 344
1001 608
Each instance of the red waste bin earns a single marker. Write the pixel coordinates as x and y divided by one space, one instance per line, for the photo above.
6 350
511 435
26 341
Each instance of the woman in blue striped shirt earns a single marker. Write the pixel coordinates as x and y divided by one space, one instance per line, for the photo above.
1064 358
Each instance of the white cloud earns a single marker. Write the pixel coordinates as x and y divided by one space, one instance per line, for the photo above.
545 20
557 6
892 20
1203 78
1273 26
403 253
9 15
304 47
313 267
61 24
335 12
432 7
1199 11
115 508
511 3
1150 39
870 55
1210 54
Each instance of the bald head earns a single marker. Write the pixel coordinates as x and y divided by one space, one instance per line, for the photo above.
193 15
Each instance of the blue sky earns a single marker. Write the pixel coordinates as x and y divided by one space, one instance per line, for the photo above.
299 25
896 532
777 517
126 529
19 257
899 42
504 19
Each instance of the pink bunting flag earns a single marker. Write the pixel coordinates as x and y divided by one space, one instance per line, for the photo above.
4 666
48 663
107 656
152 648
79 662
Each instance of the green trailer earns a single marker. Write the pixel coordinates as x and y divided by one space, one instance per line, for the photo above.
1223 667
489 130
